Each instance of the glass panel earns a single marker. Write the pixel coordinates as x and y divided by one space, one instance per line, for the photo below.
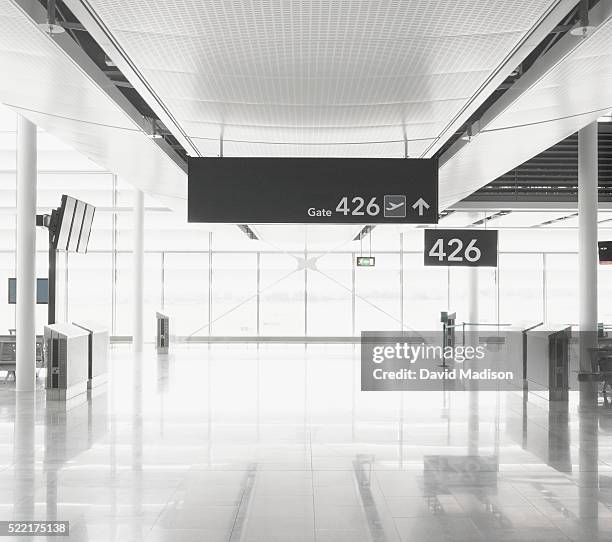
605 295
90 288
93 188
7 314
377 292
425 294
487 294
165 230
186 292
42 271
562 288
101 236
8 224
282 295
330 304
520 288
152 294
234 303
8 193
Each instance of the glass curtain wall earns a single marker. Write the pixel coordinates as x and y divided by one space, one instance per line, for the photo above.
256 289
274 294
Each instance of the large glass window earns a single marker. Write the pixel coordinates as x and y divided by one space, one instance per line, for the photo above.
605 294
8 224
317 293
90 288
282 289
330 295
425 294
520 288
94 188
234 288
7 270
377 294
152 285
8 193
186 292
562 288
459 302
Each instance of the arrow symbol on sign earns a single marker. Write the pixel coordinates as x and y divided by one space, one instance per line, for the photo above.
421 204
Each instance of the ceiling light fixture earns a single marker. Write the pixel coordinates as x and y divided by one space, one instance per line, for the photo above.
467 136
155 134
583 29
51 27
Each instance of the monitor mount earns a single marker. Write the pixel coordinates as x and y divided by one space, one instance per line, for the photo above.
51 223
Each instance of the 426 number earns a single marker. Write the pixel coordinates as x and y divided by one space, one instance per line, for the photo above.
357 205
456 251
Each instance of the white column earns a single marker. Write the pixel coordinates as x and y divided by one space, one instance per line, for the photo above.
472 286
26 255
138 270
587 243
24 456
473 295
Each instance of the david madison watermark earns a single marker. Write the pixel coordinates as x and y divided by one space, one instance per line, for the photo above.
430 361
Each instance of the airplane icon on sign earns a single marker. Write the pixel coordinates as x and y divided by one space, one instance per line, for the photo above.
395 206
392 206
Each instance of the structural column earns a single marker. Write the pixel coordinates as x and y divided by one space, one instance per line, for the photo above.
587 247
473 317
472 287
138 271
26 255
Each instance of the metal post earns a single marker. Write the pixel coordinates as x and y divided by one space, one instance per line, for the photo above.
26 256
52 281
138 271
587 249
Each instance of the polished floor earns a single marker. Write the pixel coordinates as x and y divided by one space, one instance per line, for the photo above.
277 443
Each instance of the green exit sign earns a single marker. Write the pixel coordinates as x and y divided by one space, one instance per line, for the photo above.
366 261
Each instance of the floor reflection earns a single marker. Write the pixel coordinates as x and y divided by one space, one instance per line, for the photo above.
277 443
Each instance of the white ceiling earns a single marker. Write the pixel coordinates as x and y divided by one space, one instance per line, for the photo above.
566 89
76 103
316 78
319 77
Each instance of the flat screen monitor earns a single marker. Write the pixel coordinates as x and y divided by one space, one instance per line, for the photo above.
74 219
605 252
42 291
77 225
64 223
90 210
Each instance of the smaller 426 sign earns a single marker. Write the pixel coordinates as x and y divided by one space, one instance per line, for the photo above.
467 248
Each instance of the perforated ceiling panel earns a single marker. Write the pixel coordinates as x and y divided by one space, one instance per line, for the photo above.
283 77
30 63
566 89
581 83
41 82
